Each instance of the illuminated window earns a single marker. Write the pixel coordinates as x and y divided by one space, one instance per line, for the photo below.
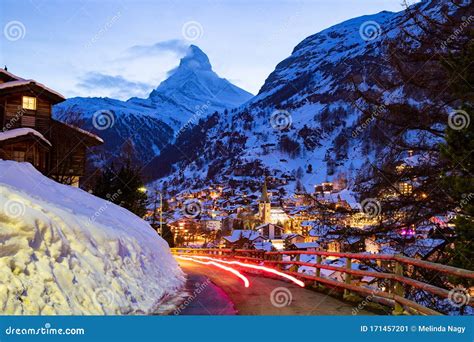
29 102
405 188
18 156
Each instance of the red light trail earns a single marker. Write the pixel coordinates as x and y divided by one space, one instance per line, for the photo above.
256 267
226 268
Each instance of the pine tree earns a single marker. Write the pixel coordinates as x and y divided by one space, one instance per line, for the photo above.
123 187
167 235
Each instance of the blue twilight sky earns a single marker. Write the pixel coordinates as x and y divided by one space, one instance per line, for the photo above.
125 48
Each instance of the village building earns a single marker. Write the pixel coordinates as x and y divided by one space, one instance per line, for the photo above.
245 239
30 134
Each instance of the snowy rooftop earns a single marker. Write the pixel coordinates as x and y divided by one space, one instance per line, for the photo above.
22 82
239 234
18 132
304 245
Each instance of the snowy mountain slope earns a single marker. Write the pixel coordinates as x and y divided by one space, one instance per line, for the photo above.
191 92
64 251
300 127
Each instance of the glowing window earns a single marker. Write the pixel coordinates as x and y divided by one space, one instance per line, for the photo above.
405 188
29 102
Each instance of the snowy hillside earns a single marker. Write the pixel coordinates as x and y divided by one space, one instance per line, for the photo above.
64 251
193 91
302 127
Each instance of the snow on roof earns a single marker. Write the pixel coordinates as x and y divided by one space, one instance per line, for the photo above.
290 235
264 246
304 245
320 230
308 223
22 82
18 132
3 71
423 247
92 135
267 224
239 234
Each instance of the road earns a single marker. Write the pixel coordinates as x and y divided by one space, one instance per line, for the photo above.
216 292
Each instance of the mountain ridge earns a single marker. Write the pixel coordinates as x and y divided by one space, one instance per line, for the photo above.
299 127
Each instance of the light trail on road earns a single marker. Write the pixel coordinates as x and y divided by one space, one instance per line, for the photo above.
256 267
226 268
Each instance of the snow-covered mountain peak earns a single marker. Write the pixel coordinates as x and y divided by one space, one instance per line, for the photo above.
195 59
192 92
194 85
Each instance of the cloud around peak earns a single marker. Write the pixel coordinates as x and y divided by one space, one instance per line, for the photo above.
176 46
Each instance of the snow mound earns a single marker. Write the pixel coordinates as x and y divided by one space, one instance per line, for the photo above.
64 251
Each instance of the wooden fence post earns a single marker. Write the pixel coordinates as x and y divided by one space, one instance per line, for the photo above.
319 260
398 289
317 273
348 276
294 268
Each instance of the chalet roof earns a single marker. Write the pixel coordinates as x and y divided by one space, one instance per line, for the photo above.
263 246
19 132
32 85
305 245
92 138
268 224
423 247
8 75
238 234
290 235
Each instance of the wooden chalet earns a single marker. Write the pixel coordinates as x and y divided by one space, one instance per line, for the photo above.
30 134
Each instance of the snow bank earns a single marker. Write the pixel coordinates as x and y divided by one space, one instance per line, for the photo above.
64 251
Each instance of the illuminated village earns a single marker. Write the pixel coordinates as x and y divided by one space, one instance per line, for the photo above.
329 219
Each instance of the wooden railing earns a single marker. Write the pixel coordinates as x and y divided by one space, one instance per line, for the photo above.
397 275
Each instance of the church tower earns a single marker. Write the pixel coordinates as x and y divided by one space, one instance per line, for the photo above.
264 205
